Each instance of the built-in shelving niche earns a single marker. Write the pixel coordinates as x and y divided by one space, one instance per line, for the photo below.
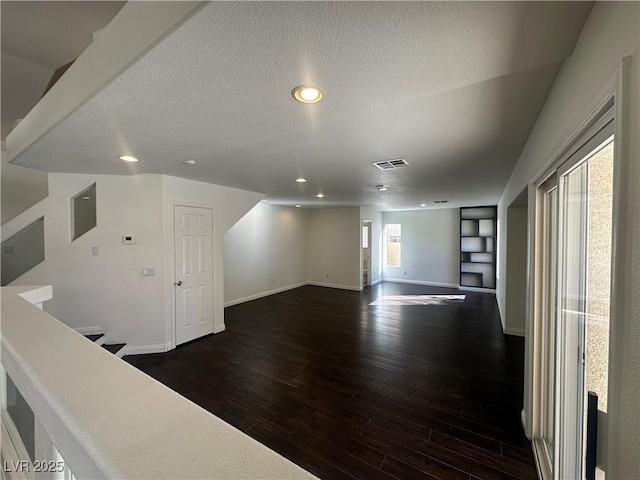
478 247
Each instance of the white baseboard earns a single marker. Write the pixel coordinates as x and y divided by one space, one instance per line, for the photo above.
89 330
476 289
142 349
335 285
219 328
518 332
237 301
375 282
523 419
419 282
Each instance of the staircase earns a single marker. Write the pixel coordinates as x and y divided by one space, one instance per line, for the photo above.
116 348
23 237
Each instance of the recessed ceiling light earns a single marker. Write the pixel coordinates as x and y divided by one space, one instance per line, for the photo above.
189 162
298 206
423 204
86 197
320 195
301 180
127 158
307 94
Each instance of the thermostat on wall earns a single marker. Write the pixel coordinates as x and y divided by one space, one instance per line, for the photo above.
128 239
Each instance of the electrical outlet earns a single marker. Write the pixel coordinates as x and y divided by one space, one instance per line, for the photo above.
327 275
148 271
95 251
405 272
273 281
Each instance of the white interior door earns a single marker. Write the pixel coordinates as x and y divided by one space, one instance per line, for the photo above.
193 227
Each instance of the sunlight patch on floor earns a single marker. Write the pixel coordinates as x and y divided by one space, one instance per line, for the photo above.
418 299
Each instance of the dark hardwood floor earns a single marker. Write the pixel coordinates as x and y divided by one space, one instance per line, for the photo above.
346 389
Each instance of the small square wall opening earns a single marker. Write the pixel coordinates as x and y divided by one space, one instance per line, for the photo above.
83 212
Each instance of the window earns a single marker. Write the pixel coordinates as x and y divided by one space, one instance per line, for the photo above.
83 212
392 233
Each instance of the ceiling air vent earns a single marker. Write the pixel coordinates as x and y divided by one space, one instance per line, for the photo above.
440 201
390 164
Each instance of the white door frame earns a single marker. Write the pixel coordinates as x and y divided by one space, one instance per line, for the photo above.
172 219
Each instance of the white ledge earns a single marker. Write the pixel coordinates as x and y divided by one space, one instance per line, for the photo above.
108 419
34 295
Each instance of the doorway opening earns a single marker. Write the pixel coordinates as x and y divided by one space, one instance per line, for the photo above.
366 253
516 265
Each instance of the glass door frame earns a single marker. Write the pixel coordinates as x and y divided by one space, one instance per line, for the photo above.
545 308
574 155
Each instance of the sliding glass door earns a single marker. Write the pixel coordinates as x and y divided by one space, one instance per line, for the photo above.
571 316
574 258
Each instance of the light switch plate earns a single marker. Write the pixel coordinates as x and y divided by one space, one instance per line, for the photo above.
148 271
95 251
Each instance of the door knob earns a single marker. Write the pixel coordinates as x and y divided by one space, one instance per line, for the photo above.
178 283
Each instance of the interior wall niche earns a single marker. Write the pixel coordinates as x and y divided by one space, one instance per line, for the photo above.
83 212
478 247
22 251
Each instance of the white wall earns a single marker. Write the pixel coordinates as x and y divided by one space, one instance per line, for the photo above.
108 290
265 253
334 247
611 33
430 246
375 216
21 188
229 205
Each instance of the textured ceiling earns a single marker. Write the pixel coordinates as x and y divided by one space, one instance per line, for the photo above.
37 38
452 87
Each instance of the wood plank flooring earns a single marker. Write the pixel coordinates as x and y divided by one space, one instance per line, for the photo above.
348 390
